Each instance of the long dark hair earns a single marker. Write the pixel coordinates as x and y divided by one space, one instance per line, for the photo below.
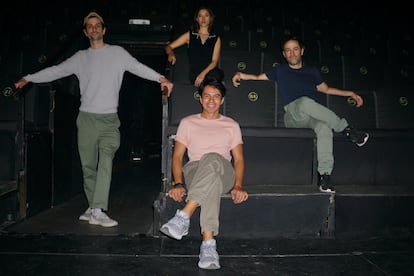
196 26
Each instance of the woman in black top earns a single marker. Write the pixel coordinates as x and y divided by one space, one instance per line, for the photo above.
203 46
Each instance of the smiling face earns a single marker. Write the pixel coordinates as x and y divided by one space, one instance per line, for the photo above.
211 101
292 51
94 29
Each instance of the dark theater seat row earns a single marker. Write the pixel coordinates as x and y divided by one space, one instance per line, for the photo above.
281 174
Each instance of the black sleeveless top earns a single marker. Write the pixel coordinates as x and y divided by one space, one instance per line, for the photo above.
199 54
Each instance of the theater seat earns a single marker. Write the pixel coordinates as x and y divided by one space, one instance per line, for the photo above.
252 104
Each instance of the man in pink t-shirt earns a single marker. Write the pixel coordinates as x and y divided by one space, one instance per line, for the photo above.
211 141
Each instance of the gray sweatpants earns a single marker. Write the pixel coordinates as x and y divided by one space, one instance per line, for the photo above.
304 112
206 180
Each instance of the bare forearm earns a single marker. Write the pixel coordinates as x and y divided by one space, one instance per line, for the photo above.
238 194
238 173
244 76
168 50
340 92
238 76
177 171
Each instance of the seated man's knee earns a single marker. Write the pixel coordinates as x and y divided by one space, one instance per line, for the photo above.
304 102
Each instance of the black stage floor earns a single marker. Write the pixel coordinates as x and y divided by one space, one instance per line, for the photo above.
54 242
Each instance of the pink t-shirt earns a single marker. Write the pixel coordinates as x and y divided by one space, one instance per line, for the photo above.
202 136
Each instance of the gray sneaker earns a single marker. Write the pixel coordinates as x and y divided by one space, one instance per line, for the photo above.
102 219
209 258
177 227
87 215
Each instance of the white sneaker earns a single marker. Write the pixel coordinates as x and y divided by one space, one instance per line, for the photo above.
209 258
87 215
102 219
177 227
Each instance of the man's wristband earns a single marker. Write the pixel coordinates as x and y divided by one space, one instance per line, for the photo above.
180 185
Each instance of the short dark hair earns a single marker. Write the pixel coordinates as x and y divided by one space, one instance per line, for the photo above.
215 73
289 38
213 82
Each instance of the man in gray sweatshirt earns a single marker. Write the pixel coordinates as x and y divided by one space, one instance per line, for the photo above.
100 70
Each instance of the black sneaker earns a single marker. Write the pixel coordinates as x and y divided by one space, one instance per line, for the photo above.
325 184
356 136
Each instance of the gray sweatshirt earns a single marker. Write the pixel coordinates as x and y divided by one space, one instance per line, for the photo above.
100 72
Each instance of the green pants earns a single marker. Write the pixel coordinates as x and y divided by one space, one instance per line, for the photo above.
98 141
304 112
206 180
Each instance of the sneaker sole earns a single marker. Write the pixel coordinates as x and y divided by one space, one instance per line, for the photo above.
167 232
84 218
365 141
326 191
210 266
94 222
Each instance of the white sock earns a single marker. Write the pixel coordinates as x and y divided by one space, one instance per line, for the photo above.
209 242
184 214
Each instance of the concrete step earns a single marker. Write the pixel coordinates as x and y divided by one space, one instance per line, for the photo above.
301 211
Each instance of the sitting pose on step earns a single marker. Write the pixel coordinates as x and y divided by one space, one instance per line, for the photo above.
212 141
298 86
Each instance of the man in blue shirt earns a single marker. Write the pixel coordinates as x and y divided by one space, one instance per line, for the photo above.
298 87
